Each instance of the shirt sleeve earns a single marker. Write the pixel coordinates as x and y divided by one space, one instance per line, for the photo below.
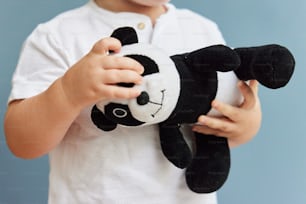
211 29
216 36
42 60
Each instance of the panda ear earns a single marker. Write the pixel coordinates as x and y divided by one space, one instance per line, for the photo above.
100 120
126 35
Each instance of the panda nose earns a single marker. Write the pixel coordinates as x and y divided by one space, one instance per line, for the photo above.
143 98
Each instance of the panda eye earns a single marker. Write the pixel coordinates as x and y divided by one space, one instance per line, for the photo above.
149 65
119 112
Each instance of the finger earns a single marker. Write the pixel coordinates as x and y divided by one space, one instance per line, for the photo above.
220 125
104 45
205 130
123 63
209 131
248 92
254 86
115 76
229 111
116 92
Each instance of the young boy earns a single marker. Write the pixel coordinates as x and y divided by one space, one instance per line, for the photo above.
64 69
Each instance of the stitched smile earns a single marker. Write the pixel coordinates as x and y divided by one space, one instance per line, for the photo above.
159 104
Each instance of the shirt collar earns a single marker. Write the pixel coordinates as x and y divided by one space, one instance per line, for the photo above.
119 19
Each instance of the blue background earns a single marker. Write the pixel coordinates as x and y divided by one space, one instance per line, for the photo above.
269 169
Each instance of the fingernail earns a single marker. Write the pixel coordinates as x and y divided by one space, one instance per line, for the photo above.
240 83
214 103
201 120
141 69
139 81
136 93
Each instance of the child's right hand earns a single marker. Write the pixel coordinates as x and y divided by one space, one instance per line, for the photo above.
95 76
90 80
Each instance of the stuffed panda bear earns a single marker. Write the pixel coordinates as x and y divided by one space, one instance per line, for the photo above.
177 89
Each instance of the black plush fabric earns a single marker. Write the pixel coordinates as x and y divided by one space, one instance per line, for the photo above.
207 170
126 35
272 65
210 166
101 121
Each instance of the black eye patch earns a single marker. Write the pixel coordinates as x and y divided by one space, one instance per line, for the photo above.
149 65
120 114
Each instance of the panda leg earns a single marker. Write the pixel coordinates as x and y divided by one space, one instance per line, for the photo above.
174 146
271 65
211 164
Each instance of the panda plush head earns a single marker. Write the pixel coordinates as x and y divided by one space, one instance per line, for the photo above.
159 89
161 86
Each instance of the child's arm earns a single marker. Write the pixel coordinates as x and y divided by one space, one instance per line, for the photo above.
35 125
240 124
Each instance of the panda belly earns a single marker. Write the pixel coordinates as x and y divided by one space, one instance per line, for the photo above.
228 91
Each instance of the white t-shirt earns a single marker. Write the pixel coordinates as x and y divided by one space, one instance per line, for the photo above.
124 166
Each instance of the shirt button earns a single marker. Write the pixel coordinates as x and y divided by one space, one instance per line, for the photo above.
141 26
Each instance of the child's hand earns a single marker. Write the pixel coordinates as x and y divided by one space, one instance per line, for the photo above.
95 76
239 124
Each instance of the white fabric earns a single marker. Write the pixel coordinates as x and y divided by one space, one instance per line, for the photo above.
124 166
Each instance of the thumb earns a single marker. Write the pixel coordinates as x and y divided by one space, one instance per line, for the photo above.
105 45
249 93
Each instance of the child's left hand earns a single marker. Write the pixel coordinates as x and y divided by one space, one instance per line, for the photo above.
238 124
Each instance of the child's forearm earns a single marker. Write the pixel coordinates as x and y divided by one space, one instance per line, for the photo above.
34 126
